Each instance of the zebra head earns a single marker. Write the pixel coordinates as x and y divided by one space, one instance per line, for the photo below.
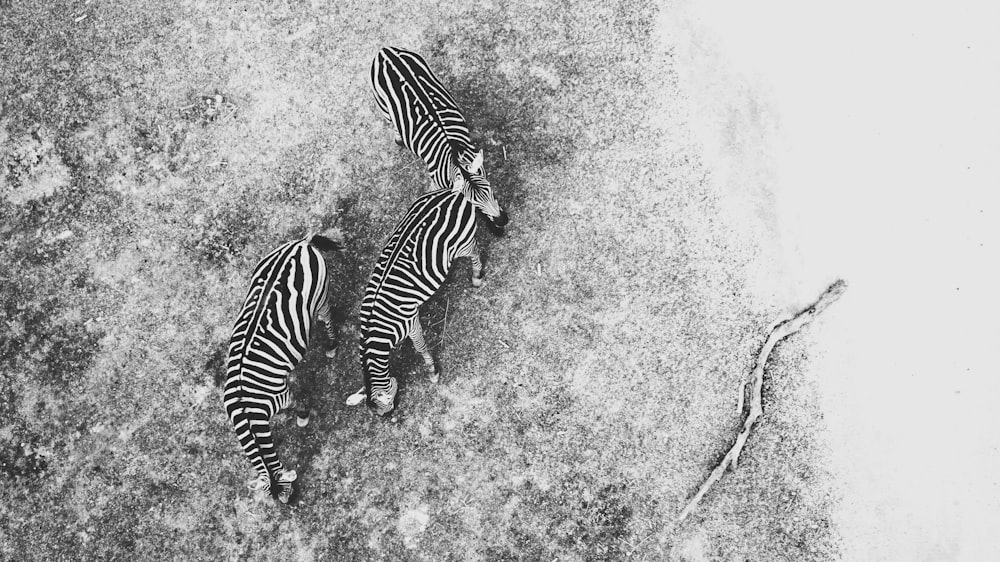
471 181
381 402
379 388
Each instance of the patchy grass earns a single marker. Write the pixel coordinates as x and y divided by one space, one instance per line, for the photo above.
587 386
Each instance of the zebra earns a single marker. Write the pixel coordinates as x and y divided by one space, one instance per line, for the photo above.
428 122
288 289
439 227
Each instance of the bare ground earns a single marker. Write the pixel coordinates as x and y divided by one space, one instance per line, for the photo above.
588 387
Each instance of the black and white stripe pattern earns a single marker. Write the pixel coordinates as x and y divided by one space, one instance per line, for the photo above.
288 290
439 227
428 122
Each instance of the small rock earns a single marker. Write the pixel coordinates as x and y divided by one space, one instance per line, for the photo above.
412 524
425 430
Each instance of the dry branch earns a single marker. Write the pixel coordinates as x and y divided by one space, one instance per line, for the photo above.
778 332
444 331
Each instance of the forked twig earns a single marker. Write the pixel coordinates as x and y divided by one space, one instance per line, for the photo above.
444 331
779 332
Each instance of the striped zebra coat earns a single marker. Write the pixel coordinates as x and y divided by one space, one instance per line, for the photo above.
428 122
439 227
288 289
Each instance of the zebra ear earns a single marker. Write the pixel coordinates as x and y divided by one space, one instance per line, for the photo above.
477 162
458 182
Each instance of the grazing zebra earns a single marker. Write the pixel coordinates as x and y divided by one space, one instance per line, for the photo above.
428 122
288 290
439 227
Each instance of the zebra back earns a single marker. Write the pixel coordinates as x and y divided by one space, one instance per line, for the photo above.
412 266
269 339
430 124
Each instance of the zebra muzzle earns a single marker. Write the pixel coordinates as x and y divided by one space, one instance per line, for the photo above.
501 221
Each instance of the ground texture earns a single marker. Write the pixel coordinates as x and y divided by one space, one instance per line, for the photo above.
151 154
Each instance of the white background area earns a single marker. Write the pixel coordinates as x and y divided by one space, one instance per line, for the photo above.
873 133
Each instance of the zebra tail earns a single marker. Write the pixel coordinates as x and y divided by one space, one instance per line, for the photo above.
241 415
329 241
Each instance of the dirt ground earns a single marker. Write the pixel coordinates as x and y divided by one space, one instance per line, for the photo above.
151 155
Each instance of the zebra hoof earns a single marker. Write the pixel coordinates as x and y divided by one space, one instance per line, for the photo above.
302 418
477 282
357 398
286 493
398 141
259 484
331 352
433 372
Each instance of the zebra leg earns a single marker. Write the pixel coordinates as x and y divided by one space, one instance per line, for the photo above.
302 394
471 251
331 331
477 269
258 435
417 337
298 400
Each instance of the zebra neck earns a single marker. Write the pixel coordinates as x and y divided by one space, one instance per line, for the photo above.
375 371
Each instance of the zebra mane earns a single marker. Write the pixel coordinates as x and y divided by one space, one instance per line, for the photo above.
477 160
462 178
423 98
460 149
